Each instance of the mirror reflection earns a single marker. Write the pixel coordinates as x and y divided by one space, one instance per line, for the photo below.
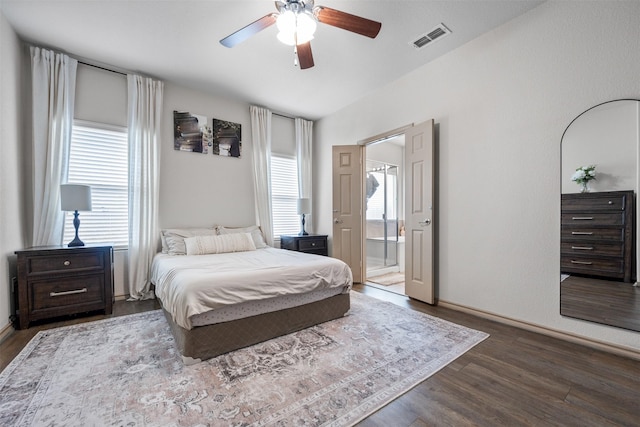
598 245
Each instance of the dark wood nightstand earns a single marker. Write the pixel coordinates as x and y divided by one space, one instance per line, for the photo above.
311 244
57 281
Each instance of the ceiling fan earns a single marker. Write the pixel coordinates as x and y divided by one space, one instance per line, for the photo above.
296 21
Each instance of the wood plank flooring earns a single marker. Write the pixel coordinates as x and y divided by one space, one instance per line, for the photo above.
602 301
515 377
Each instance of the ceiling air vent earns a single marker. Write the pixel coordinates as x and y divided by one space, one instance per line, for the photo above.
437 33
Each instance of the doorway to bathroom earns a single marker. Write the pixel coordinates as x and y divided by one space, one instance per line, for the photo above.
384 218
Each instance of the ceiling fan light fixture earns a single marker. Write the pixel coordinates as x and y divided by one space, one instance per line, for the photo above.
296 27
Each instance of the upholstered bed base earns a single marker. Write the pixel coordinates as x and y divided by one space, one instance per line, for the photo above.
205 342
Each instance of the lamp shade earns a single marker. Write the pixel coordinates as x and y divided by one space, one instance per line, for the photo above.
75 197
304 206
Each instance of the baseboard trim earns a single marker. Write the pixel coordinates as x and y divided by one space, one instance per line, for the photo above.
619 350
6 331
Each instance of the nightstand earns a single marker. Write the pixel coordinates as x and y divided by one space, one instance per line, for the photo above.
57 281
311 244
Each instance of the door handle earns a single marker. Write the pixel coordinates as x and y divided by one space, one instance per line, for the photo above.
425 222
337 221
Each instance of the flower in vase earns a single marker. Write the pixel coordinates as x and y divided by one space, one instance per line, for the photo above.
583 175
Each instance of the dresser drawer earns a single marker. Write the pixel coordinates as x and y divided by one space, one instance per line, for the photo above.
592 266
311 244
70 291
592 218
614 201
65 263
592 249
591 234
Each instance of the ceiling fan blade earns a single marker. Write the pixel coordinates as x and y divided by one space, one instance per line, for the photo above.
346 21
251 29
305 57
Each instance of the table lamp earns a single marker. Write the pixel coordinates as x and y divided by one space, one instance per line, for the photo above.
75 197
304 207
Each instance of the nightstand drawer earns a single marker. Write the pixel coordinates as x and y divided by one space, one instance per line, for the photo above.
56 281
309 244
54 293
65 263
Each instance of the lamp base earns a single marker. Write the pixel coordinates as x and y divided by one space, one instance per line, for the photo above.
75 242
303 233
76 224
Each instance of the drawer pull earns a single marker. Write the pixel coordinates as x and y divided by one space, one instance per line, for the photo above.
313 244
582 233
581 262
67 262
76 291
582 218
582 248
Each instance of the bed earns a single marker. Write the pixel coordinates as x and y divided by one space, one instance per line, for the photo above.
222 301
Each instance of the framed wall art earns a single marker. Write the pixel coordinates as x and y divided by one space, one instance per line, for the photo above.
227 138
191 132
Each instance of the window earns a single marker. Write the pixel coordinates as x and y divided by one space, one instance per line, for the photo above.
99 158
284 195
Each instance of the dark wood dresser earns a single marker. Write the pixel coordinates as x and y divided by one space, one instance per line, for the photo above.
598 235
311 244
58 281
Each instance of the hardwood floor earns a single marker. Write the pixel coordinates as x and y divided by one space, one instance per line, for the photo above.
515 377
602 301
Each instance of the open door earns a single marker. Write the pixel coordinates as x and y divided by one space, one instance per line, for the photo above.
347 207
419 189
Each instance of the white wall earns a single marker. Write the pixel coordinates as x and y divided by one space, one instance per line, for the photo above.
11 156
203 190
501 103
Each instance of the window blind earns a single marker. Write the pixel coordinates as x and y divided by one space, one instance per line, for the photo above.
284 195
99 158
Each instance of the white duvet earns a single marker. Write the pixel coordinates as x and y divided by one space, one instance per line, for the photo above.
189 285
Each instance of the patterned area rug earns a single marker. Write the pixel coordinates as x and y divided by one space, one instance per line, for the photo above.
126 371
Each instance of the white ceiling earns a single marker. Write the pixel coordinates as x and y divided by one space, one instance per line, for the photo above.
177 41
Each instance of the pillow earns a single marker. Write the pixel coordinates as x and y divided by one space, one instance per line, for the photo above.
254 230
163 241
237 242
174 238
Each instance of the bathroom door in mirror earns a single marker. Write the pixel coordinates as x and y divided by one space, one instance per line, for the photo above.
599 248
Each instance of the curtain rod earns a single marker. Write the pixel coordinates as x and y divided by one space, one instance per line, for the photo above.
101 68
286 116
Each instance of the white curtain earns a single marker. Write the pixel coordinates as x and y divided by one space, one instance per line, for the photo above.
304 147
261 139
54 89
145 115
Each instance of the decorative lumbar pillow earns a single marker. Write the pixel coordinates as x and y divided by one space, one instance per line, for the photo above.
202 245
174 238
256 233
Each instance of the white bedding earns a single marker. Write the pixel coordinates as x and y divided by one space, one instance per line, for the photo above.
191 285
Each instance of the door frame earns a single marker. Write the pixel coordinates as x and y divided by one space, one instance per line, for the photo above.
363 218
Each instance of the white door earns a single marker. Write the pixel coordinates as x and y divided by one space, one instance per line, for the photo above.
347 207
419 187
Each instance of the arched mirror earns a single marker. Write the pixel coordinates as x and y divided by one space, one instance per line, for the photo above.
598 244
